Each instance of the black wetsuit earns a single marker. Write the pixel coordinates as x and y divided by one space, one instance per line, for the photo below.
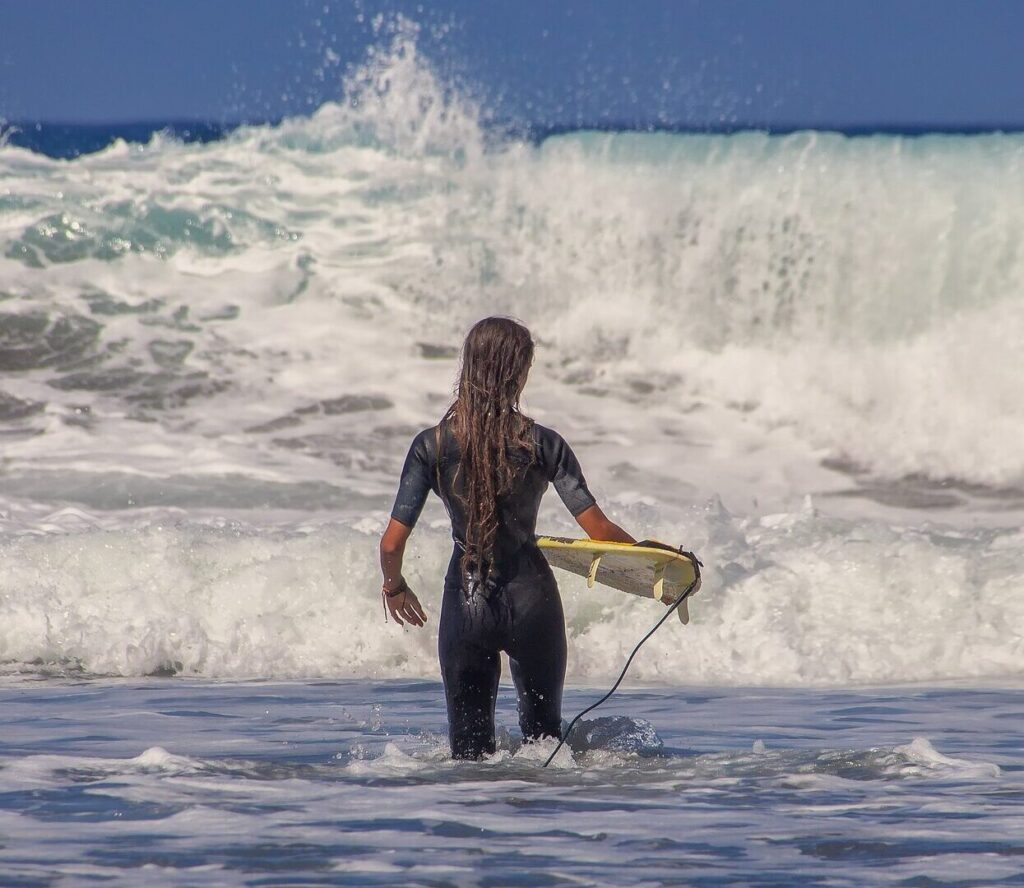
518 609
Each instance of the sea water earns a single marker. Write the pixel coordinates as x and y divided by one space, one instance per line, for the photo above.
346 782
796 355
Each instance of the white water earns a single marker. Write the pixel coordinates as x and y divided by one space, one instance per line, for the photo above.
795 599
213 359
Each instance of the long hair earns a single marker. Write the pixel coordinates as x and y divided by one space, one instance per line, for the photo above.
494 437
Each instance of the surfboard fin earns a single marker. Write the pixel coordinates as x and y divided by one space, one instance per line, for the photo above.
683 612
659 581
592 573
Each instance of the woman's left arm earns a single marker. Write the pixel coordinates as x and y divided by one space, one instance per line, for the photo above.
400 600
598 526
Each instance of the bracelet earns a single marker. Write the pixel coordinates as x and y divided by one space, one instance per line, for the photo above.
386 593
398 590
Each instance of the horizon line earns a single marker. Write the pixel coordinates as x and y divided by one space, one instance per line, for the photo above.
529 127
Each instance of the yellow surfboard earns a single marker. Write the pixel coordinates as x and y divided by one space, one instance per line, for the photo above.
661 574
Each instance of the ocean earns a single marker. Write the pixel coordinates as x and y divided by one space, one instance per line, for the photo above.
795 354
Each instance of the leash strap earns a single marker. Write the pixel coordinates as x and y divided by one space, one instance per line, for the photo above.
697 565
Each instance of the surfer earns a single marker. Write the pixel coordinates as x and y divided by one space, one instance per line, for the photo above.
490 464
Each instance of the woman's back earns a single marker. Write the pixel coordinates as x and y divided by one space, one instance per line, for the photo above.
552 461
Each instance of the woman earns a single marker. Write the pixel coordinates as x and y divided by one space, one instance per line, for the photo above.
490 464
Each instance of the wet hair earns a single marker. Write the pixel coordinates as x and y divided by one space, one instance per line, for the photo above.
494 437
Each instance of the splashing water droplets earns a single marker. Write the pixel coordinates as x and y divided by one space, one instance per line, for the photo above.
397 98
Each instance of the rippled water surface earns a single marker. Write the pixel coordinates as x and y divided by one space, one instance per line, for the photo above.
200 783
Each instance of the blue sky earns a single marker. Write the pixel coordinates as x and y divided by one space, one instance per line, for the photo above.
692 63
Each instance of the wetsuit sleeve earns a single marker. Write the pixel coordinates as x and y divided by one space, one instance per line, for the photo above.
563 470
415 483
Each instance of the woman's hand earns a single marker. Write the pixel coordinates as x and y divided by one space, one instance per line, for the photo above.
404 606
399 600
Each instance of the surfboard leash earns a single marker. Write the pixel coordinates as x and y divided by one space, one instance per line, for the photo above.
697 565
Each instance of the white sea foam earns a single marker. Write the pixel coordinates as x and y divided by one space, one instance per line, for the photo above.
923 758
214 357
796 599
863 293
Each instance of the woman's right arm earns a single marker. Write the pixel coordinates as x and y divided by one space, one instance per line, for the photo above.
413 488
598 526
399 599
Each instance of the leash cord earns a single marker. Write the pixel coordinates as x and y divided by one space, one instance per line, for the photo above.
622 675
